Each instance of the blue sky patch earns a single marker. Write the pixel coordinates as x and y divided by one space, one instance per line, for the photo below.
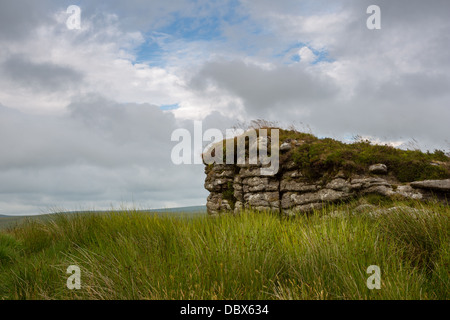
204 27
168 107
150 52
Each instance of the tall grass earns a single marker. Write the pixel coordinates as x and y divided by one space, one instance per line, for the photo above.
130 255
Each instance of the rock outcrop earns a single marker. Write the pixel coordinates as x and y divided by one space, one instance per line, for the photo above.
378 168
235 187
435 185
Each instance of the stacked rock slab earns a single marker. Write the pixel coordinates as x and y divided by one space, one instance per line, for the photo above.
219 182
253 190
237 187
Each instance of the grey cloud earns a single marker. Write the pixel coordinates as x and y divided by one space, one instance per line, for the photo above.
415 86
20 18
417 25
96 131
39 76
263 89
99 153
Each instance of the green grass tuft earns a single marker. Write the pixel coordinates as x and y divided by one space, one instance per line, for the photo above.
254 255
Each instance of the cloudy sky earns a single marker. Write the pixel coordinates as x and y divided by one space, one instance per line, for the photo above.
86 115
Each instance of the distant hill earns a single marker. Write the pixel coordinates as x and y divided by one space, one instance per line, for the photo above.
181 209
9 221
191 209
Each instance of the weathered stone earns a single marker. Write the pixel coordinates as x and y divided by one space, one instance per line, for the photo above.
367 183
263 199
239 195
330 195
408 192
290 193
247 164
339 184
363 208
238 207
400 209
214 201
379 189
327 195
250 172
292 174
435 185
222 167
305 198
225 205
336 214
378 168
212 187
225 174
303 208
217 185
403 209
287 201
237 186
356 186
255 184
285 147
263 208
300 186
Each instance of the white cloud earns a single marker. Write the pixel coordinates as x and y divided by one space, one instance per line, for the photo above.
306 55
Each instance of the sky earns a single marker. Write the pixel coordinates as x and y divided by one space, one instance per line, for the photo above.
86 115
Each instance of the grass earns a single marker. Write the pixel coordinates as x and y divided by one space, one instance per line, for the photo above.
255 255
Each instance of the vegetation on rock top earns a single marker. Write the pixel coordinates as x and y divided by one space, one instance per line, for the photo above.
317 157
325 157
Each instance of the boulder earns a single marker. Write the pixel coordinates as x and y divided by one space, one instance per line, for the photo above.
435 185
285 147
408 192
364 208
378 169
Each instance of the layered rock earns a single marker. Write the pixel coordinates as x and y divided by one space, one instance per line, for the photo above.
435 185
219 182
237 187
